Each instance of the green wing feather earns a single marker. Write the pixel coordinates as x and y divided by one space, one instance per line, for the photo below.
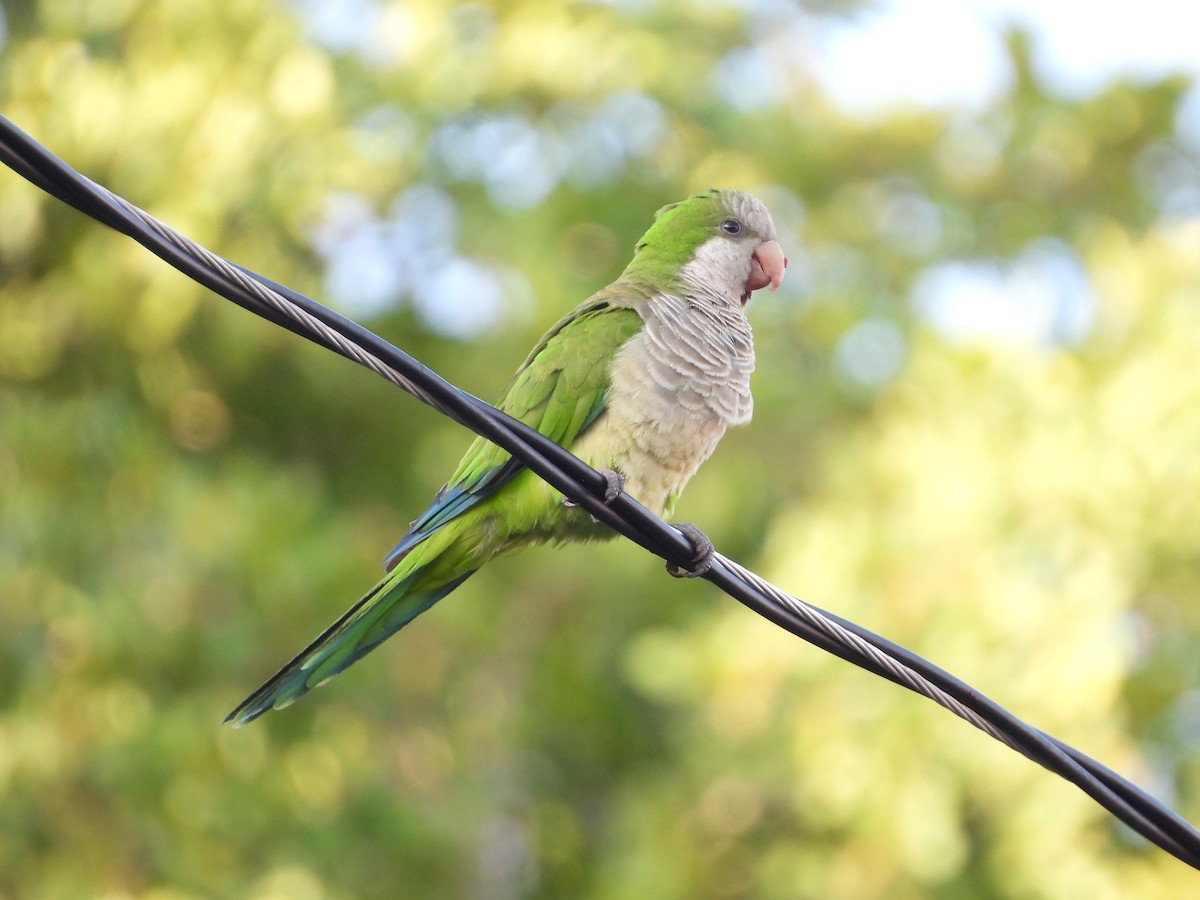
559 390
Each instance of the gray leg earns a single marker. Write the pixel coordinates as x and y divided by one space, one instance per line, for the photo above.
616 484
703 559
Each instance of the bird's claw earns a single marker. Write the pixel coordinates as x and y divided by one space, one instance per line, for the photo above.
702 560
615 483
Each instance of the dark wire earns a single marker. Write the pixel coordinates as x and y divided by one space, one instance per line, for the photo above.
304 317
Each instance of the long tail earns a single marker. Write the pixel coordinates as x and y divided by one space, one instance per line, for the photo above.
400 597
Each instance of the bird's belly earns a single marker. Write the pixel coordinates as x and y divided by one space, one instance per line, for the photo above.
664 417
656 454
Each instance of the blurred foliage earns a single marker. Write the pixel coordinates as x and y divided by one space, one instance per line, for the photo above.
187 494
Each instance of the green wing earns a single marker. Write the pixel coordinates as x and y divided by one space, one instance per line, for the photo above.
559 390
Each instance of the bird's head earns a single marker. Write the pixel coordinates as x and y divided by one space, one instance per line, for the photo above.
721 240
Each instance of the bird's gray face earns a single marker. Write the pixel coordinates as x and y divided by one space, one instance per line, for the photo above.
744 248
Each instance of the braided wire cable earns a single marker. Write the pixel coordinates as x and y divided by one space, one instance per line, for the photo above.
897 671
284 307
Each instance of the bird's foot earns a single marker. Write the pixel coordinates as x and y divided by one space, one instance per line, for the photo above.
702 560
615 484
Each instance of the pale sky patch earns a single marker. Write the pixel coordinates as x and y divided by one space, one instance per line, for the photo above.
950 54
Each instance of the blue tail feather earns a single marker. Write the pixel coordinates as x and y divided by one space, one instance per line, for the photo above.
385 609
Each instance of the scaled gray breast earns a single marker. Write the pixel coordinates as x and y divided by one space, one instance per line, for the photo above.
702 353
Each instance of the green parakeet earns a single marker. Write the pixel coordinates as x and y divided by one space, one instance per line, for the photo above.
640 380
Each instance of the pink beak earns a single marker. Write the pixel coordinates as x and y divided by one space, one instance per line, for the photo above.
767 266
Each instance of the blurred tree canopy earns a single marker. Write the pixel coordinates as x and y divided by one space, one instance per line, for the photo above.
976 432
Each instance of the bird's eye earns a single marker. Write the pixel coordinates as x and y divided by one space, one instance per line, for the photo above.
731 226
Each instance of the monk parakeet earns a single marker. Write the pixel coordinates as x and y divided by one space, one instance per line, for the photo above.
640 381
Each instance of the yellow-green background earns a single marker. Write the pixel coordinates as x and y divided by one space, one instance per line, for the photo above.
188 494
